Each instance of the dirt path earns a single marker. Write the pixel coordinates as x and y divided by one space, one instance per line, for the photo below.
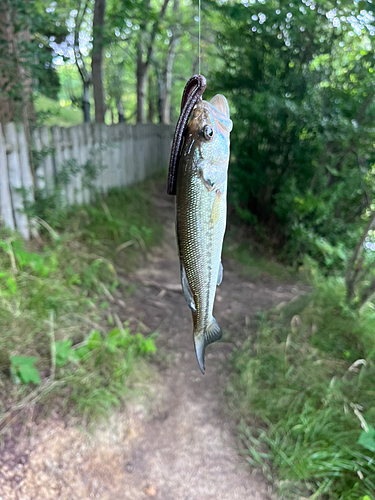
178 444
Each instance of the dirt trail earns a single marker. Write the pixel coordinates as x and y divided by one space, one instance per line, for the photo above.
178 444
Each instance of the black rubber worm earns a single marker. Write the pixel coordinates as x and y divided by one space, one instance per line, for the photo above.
192 93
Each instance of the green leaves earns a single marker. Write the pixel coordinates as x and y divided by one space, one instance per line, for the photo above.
94 340
73 276
119 339
302 138
362 5
23 369
10 283
40 265
146 345
367 439
96 344
63 350
103 363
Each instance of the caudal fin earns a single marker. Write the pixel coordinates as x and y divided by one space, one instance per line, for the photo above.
202 340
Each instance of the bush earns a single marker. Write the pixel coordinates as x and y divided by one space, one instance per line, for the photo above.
56 311
304 387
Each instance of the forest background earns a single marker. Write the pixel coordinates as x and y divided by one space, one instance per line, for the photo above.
299 78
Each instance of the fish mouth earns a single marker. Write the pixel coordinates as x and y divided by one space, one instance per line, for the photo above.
212 112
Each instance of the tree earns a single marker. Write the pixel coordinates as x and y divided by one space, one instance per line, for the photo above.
97 60
165 76
80 61
15 68
303 98
145 50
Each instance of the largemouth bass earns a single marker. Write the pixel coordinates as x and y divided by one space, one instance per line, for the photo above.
201 191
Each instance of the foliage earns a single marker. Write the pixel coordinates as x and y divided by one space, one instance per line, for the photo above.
124 221
96 390
26 58
23 369
54 331
304 391
51 51
301 88
49 112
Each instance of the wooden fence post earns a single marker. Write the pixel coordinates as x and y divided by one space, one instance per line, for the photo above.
117 153
105 157
84 157
126 153
67 156
122 153
90 155
111 142
26 174
76 181
48 160
40 175
6 209
15 181
58 158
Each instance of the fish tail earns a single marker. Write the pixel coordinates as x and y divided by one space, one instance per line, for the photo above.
210 334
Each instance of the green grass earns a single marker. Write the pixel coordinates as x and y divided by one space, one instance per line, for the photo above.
128 220
303 389
51 113
59 304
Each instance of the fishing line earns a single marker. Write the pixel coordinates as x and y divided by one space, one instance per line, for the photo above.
199 37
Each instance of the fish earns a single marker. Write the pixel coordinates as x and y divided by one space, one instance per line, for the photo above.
201 211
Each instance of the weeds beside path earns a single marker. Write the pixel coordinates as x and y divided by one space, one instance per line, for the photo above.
178 443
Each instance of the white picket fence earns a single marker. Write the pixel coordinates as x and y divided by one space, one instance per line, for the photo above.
90 157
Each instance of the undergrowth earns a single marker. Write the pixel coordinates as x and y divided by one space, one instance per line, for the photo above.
64 332
303 387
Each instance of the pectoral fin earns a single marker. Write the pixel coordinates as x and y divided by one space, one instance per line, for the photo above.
220 274
208 183
186 289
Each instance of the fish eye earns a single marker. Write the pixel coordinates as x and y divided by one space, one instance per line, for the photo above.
208 132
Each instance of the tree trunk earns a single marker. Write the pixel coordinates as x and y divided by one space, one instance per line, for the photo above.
142 70
86 102
80 62
165 110
120 111
166 86
151 110
144 65
159 83
15 71
97 60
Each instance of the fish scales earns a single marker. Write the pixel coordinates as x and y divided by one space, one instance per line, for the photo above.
201 242
201 214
